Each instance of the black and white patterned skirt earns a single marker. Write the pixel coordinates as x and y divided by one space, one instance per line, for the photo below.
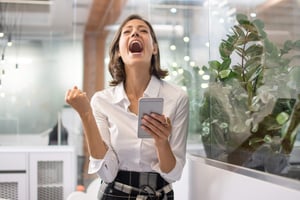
136 186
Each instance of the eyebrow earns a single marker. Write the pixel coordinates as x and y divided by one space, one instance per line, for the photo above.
139 26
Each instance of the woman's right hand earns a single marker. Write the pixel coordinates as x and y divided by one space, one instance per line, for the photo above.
78 100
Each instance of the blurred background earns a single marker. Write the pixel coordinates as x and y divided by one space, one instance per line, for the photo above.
48 46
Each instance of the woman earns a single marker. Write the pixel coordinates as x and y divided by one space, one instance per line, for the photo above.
131 167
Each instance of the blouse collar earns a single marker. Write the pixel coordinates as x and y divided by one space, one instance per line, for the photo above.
152 90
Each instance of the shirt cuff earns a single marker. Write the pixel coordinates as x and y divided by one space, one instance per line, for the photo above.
107 168
173 175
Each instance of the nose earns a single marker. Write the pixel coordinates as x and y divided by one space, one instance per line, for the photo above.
134 34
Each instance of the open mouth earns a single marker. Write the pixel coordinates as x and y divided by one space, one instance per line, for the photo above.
135 47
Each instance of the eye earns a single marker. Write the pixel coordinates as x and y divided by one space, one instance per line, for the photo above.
144 30
126 32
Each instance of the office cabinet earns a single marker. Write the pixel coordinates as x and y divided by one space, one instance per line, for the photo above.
37 173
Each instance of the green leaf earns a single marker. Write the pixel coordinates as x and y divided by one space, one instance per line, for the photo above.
249 27
254 73
255 140
239 32
282 118
268 139
224 73
269 46
297 45
259 24
205 68
253 62
288 45
254 50
225 64
215 65
241 41
225 49
241 18
253 37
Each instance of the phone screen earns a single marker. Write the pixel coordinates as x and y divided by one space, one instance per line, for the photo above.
147 106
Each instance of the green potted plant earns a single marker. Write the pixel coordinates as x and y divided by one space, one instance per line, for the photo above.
250 112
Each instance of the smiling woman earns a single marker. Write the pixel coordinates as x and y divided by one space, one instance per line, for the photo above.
129 166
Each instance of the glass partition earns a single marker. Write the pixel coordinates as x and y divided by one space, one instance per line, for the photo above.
239 63
41 57
249 114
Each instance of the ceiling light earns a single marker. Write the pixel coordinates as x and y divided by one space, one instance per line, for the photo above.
180 71
186 39
204 85
2 94
201 72
253 15
192 64
173 47
186 58
205 77
173 10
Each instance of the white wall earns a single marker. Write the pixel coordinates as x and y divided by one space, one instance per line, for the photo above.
207 182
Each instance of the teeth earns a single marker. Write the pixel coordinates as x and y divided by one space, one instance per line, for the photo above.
135 46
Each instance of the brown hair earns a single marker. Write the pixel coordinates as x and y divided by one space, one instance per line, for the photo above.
116 65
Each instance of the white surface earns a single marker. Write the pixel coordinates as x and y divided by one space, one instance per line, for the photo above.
90 194
28 139
180 187
207 182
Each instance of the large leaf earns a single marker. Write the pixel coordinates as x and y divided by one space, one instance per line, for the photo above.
252 37
225 49
255 73
225 64
241 18
214 65
238 32
254 50
297 45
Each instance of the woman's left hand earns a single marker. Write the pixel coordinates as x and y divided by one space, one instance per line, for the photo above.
158 126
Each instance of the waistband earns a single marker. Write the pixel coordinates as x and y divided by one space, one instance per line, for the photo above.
141 179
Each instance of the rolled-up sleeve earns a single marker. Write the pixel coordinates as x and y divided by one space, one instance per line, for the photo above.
106 168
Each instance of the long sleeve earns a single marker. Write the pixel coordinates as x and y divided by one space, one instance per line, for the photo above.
107 168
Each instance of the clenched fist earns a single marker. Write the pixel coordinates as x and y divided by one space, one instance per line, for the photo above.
78 100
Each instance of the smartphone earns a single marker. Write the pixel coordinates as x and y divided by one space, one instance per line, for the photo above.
146 106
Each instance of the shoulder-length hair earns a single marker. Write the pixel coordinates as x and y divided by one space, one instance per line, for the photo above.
116 65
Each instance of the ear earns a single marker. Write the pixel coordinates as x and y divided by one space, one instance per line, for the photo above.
155 49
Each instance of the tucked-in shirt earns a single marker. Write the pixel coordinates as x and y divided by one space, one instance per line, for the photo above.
118 128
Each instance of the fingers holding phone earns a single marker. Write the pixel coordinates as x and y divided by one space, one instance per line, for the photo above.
156 125
151 122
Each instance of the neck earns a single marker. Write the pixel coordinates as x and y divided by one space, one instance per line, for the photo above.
136 85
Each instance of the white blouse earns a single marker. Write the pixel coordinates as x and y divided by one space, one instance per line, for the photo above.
118 127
